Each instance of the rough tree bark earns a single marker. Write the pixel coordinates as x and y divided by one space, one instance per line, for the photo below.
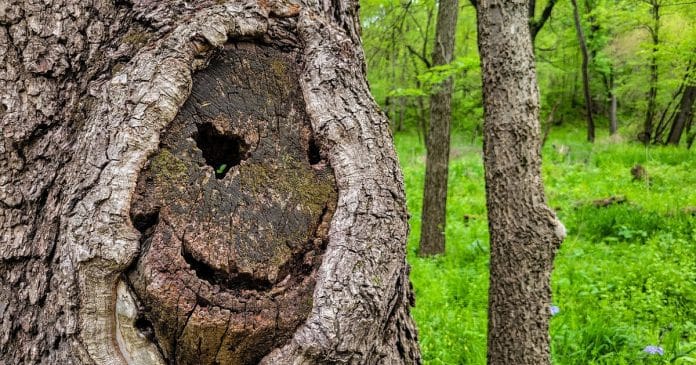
524 232
535 24
434 216
208 184
585 72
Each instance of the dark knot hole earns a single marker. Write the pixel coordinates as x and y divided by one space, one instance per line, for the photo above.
145 327
220 151
313 152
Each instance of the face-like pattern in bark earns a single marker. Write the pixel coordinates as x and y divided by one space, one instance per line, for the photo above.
234 210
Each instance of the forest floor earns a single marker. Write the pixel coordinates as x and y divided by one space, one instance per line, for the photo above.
624 278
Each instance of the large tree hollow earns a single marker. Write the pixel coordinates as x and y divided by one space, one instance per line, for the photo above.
229 255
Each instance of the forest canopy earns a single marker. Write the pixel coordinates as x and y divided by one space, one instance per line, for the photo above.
398 40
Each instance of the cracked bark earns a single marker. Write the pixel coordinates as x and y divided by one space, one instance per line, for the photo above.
524 231
116 219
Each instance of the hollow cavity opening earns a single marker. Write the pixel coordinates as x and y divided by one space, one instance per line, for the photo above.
143 221
220 151
144 326
313 152
234 280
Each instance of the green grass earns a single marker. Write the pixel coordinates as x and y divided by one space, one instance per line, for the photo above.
624 278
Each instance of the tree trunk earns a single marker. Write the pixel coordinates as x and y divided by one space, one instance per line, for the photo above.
646 135
524 232
197 184
686 107
690 136
585 72
434 217
613 120
401 101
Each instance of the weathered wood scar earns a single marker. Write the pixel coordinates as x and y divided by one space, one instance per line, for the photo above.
234 210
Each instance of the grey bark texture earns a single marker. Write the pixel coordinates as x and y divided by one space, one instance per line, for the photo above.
524 232
94 139
434 216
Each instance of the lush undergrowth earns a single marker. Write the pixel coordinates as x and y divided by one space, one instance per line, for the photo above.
624 279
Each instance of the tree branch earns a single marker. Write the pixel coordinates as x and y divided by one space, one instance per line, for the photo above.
536 25
420 56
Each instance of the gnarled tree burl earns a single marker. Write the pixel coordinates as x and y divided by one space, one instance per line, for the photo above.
196 183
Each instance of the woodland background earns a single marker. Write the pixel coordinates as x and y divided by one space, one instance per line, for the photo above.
625 277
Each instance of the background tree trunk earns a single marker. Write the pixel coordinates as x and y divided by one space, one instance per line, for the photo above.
524 232
535 25
434 217
613 120
646 136
585 72
685 114
115 213
690 136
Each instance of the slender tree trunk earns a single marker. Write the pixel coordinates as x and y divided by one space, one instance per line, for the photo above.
392 105
402 100
585 72
207 184
646 135
690 136
432 239
686 107
613 121
524 232
669 113
402 112
422 117
421 110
